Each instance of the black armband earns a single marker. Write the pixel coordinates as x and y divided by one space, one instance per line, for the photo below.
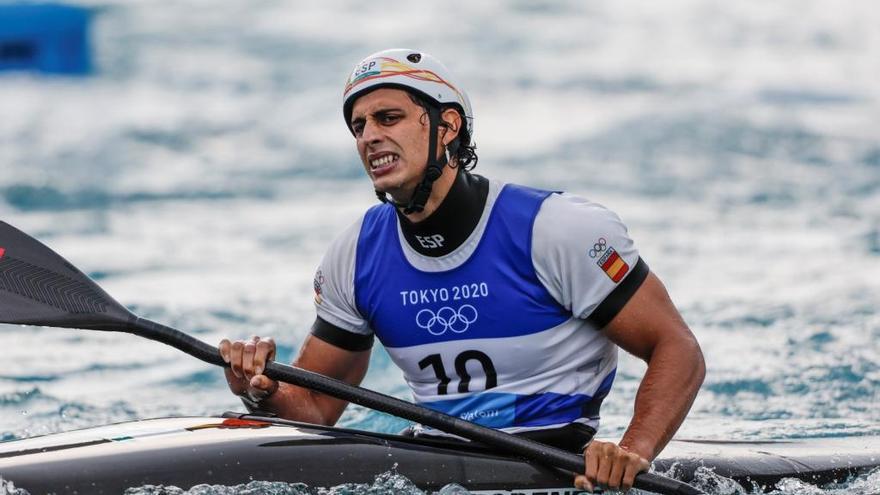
608 309
338 337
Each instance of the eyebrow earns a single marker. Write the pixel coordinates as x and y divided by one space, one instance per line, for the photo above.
378 112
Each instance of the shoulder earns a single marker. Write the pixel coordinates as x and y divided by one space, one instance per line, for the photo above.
584 255
372 220
566 216
334 282
345 244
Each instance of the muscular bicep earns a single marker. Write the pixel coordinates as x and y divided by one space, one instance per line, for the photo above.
648 319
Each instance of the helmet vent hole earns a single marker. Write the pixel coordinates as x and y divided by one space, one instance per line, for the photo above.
414 57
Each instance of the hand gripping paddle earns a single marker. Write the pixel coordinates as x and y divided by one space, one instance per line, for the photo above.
39 287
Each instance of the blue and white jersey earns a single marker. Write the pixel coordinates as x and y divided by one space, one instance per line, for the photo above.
503 331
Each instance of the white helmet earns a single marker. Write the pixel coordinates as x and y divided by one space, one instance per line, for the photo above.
409 70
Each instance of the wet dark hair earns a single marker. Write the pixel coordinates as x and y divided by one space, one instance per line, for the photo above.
460 148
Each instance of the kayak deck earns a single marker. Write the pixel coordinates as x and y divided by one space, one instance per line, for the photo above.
235 449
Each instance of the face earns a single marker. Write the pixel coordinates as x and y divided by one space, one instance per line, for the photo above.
392 140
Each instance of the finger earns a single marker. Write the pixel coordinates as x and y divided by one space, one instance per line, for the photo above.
581 483
263 386
264 351
606 461
632 469
224 346
616 475
591 456
235 354
271 343
629 476
261 383
247 359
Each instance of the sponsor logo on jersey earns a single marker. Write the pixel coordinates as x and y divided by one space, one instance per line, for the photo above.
613 265
319 286
479 414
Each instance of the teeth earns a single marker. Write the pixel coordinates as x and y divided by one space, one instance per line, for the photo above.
385 160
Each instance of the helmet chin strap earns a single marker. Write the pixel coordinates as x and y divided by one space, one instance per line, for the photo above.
433 170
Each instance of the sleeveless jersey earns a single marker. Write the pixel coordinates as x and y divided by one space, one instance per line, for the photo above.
485 340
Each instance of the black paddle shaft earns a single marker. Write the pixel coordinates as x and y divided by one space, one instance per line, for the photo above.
39 287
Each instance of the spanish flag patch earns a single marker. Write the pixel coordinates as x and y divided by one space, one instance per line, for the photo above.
613 265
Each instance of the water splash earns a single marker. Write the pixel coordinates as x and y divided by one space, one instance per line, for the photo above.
8 488
387 483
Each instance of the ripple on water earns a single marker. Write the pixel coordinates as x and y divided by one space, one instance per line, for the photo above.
741 385
48 198
21 397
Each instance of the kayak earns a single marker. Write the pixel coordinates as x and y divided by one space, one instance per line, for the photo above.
235 449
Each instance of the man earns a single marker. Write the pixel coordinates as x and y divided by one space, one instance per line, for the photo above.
502 304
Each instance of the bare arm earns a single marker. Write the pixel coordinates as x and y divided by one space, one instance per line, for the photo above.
650 328
247 361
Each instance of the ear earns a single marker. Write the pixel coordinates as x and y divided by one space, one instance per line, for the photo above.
452 119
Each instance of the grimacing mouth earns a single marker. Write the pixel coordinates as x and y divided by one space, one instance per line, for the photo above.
383 160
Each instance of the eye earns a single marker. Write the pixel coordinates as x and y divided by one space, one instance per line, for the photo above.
357 128
388 118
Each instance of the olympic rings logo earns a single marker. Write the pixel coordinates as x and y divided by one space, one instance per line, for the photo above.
600 246
447 318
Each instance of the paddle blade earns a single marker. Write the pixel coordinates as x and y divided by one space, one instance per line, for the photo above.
39 287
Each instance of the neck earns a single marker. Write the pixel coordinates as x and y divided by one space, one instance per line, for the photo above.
439 191
449 217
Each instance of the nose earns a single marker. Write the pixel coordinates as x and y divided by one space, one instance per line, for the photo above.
371 132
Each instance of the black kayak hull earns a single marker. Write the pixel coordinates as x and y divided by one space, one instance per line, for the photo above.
234 450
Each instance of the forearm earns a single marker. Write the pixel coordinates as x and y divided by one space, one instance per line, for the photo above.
299 404
675 373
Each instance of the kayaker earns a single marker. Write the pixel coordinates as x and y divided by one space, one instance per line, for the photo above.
502 304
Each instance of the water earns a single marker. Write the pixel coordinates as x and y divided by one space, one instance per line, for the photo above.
202 172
